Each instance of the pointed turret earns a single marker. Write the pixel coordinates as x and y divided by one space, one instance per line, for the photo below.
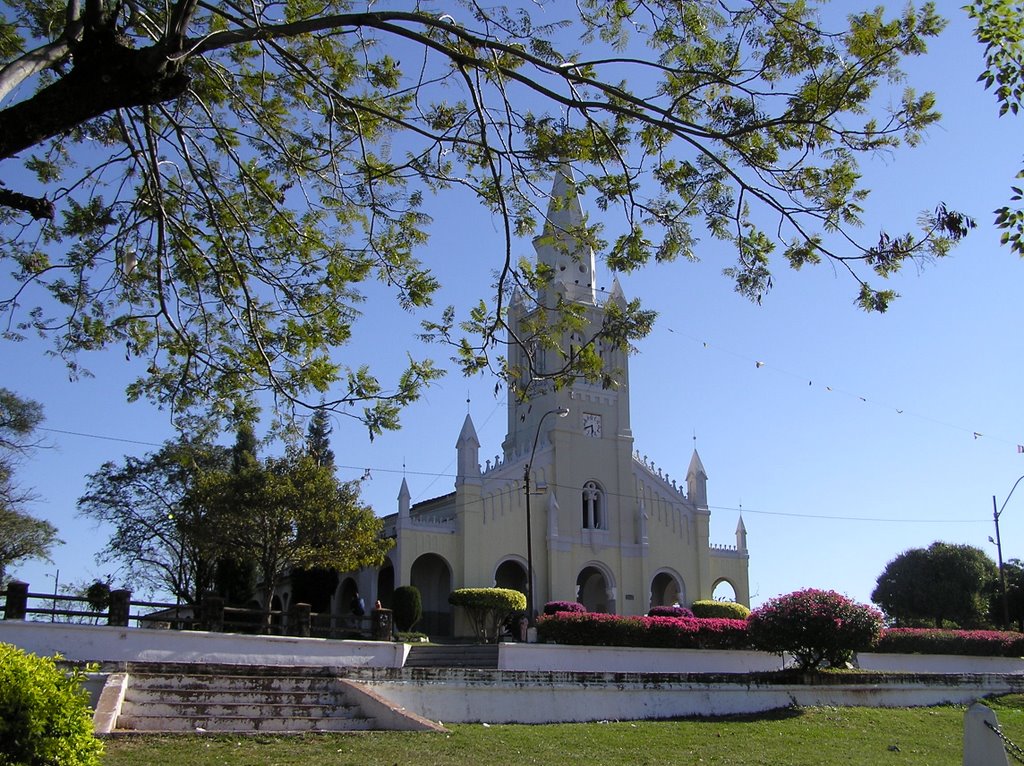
468 447
404 500
616 295
741 536
559 248
697 481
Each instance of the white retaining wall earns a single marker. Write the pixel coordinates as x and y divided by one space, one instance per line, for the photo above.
608 659
100 643
466 696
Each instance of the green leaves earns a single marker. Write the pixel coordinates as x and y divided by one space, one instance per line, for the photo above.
1000 28
222 218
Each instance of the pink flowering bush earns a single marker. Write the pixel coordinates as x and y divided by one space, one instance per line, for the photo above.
982 643
669 611
593 629
554 607
817 627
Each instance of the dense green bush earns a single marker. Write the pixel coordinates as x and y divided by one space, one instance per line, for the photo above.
488 608
726 610
594 629
979 643
406 607
817 627
44 714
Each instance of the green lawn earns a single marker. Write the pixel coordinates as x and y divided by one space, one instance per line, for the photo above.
811 737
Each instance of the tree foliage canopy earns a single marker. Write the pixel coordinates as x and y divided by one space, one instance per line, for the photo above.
1000 28
211 186
289 512
163 535
941 583
22 536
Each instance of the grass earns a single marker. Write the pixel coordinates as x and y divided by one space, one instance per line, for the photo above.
797 737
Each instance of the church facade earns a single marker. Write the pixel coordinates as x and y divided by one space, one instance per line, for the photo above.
606 528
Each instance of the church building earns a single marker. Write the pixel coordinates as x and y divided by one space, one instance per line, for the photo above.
606 528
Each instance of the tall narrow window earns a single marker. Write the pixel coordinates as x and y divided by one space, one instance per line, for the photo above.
593 506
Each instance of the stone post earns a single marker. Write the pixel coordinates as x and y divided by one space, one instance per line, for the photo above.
982 744
382 622
301 619
120 607
212 614
17 600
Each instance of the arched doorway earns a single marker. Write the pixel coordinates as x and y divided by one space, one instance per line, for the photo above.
432 576
724 591
511 574
386 584
348 591
666 590
594 591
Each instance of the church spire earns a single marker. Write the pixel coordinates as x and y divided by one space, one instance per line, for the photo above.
468 447
559 246
697 481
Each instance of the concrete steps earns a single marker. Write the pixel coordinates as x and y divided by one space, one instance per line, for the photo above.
237 703
477 656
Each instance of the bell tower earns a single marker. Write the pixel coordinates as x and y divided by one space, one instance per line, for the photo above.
593 409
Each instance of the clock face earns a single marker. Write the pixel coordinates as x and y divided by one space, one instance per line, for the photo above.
591 424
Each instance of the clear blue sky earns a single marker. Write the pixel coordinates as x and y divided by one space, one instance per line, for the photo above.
854 440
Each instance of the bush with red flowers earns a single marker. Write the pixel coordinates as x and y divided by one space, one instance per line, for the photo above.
817 627
594 629
669 611
979 643
554 607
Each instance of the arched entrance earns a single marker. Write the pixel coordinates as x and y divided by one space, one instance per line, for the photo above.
666 590
511 574
594 591
724 591
386 584
432 576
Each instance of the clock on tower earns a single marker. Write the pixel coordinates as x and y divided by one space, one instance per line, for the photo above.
591 424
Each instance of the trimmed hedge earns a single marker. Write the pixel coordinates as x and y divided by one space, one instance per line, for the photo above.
976 643
406 607
554 607
726 610
488 608
594 629
44 713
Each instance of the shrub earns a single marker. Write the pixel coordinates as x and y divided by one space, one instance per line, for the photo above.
979 643
726 610
44 713
406 607
669 611
593 629
554 607
487 608
817 627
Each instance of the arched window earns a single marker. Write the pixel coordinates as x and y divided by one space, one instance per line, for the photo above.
594 516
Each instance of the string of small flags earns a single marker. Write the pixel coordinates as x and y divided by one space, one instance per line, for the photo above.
760 364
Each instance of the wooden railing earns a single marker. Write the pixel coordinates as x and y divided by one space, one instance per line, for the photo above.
211 614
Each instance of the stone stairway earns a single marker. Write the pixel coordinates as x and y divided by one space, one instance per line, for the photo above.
477 656
238 700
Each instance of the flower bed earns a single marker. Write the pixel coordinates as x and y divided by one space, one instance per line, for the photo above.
977 643
593 629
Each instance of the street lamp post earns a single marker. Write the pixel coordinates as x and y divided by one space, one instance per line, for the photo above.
531 616
999 551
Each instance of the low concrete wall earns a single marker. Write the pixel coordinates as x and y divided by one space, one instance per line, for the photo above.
469 696
939 663
100 643
610 659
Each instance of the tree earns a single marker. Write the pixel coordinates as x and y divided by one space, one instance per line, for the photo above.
163 533
941 583
999 26
22 536
318 439
289 512
210 185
